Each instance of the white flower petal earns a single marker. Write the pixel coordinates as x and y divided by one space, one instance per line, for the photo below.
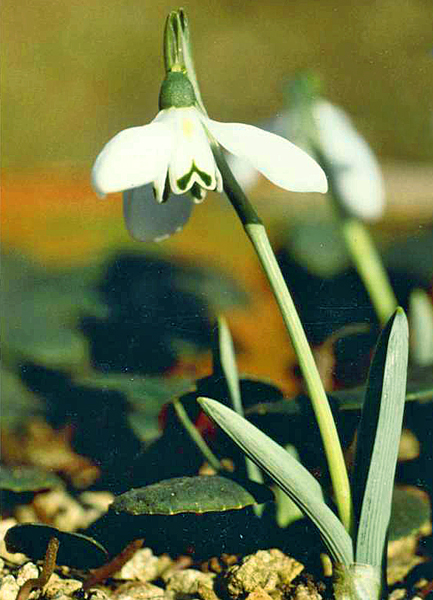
132 158
219 180
283 163
147 220
159 186
192 153
246 175
355 170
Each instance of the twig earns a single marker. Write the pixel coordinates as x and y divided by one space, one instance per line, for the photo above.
47 570
113 566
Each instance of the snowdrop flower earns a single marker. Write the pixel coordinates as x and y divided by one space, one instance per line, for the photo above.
174 154
357 177
350 162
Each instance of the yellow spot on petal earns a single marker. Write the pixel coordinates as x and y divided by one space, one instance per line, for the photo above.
187 127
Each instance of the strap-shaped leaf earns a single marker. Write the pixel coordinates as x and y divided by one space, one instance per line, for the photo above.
378 439
225 362
288 474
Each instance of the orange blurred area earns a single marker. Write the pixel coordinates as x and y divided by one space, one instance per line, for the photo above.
54 218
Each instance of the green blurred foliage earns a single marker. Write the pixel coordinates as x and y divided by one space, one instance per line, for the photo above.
74 72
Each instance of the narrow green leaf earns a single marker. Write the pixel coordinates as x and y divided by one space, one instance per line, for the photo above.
378 439
195 436
288 474
225 363
286 510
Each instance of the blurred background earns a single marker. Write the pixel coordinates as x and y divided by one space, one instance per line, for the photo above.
75 73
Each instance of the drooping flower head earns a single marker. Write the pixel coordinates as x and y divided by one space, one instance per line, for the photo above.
174 153
325 131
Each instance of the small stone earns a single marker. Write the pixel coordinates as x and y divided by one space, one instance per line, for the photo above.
189 581
270 570
206 593
95 505
134 590
181 563
144 566
409 447
400 594
60 510
305 592
61 589
25 513
8 588
97 595
98 500
259 594
27 571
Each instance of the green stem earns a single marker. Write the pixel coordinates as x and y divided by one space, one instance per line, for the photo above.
258 237
319 400
196 437
370 267
361 249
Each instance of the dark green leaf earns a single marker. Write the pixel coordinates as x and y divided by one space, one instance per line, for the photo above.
42 309
139 390
413 254
146 395
419 389
18 404
378 440
200 494
27 479
316 243
75 550
410 511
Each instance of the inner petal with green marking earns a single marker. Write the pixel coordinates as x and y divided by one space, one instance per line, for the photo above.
197 175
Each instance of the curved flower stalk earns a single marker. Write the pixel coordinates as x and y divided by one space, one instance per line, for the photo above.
174 154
